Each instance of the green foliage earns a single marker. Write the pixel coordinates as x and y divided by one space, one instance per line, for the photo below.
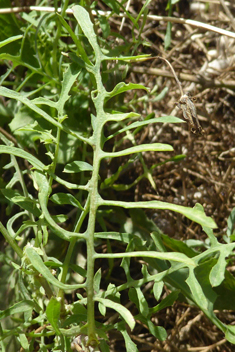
61 114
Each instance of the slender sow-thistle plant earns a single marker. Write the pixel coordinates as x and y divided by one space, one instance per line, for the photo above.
62 304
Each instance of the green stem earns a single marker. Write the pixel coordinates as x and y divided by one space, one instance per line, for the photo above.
71 248
91 253
55 154
57 37
63 11
11 241
94 195
20 176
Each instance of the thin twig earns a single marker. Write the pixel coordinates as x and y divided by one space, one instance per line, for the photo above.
173 71
193 23
123 19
